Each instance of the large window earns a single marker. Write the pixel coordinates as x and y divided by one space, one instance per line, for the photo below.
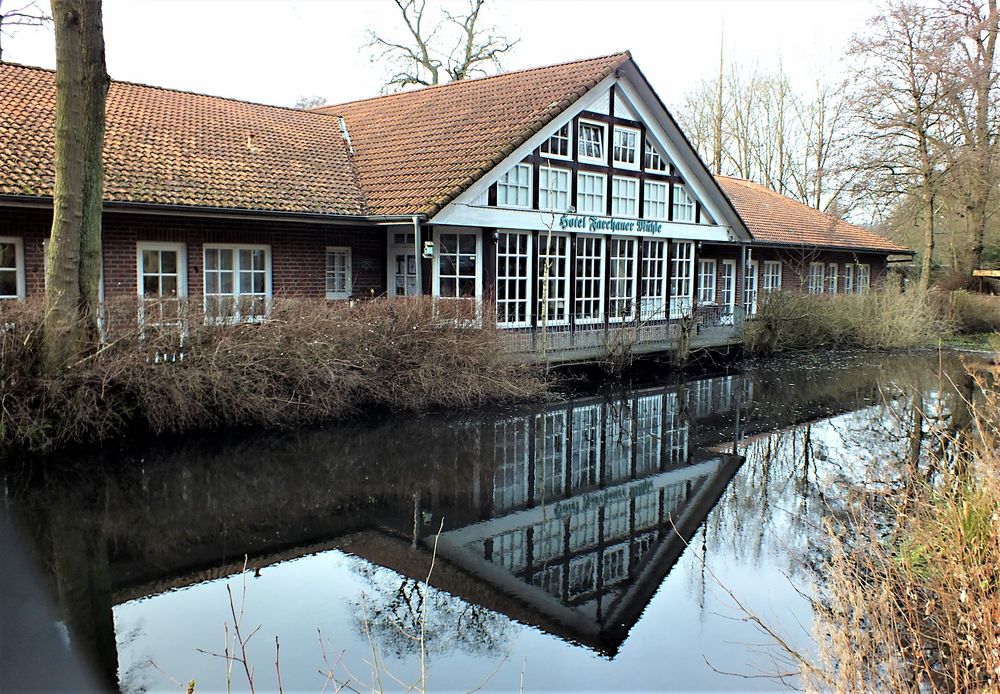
590 191
655 197
683 205
771 279
706 281
864 279
626 149
591 139
589 306
624 197
654 280
558 145
513 292
750 288
162 280
652 159
338 273
681 278
553 279
848 278
11 268
831 277
621 267
458 266
727 286
815 284
553 189
237 282
514 187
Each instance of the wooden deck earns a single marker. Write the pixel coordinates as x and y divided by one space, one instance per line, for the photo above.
613 342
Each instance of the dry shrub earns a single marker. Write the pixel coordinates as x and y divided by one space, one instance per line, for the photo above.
973 312
885 319
914 594
311 361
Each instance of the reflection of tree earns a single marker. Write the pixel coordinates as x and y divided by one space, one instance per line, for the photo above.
393 607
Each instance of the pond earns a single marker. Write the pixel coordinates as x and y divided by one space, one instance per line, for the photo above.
614 541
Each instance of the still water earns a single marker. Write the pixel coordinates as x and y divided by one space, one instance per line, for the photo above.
609 542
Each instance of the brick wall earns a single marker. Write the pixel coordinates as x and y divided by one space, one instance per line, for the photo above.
298 258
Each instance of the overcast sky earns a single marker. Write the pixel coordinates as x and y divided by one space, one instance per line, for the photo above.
274 52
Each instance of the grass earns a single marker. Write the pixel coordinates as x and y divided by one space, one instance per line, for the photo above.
977 342
310 362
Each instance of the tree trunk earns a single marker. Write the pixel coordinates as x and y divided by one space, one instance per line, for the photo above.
72 275
927 255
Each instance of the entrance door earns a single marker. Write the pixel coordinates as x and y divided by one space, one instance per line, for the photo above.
403 265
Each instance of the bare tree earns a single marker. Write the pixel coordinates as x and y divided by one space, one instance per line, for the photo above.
72 275
20 15
309 102
897 98
440 48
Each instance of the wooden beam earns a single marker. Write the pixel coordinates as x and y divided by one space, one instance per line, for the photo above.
986 273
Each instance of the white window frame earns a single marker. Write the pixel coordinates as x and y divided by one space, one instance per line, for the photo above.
603 188
562 282
627 132
557 135
816 280
707 272
182 280
597 283
751 275
648 200
513 281
547 173
863 281
621 278
654 155
848 278
20 284
728 294
688 204
479 264
653 287
603 158
236 295
334 295
832 270
504 188
771 278
622 205
681 275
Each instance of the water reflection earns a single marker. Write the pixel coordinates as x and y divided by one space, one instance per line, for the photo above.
567 517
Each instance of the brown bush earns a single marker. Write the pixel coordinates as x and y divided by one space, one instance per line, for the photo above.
310 361
973 312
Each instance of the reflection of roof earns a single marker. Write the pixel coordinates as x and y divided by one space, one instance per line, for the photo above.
178 148
417 150
779 220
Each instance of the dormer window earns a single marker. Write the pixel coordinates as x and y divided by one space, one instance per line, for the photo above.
557 145
653 160
514 188
591 142
626 149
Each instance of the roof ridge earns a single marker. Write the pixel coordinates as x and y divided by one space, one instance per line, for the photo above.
172 90
622 54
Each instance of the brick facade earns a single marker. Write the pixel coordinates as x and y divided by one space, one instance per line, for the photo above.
298 249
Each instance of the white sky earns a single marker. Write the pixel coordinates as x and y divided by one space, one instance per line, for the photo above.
273 51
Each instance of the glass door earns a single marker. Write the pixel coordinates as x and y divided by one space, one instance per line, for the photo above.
403 265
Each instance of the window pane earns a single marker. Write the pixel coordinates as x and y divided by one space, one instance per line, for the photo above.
168 286
150 285
466 243
168 261
151 261
8 283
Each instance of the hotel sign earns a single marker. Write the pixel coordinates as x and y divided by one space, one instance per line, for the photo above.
596 224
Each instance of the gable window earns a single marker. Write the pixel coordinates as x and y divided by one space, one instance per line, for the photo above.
831 278
558 144
514 187
683 205
591 138
625 197
655 197
652 159
706 281
771 281
626 149
815 285
237 282
11 268
338 273
553 189
590 190
162 270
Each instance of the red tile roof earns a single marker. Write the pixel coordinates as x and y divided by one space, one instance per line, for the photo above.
178 148
415 151
777 220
